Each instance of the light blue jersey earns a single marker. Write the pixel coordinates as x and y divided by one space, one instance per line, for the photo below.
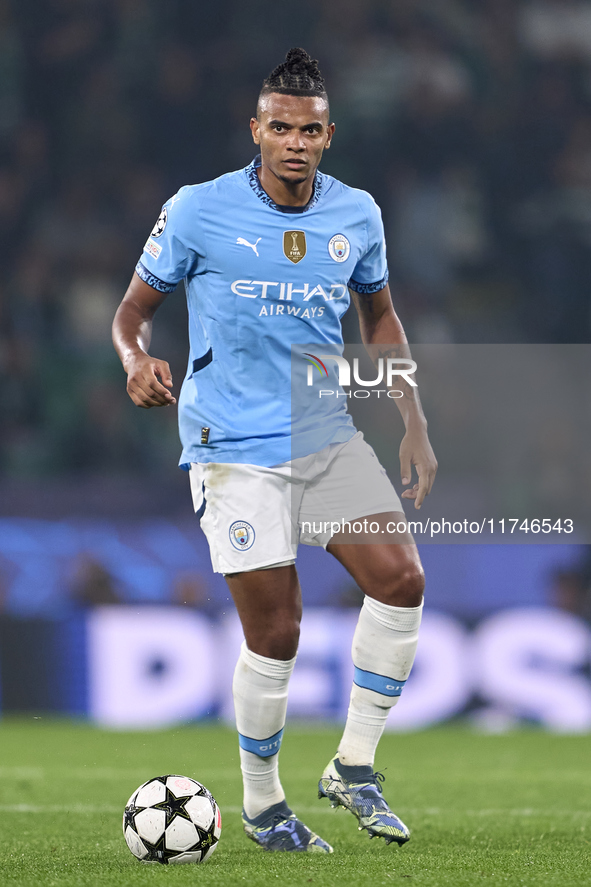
260 278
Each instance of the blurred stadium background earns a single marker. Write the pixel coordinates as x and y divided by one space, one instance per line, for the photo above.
470 122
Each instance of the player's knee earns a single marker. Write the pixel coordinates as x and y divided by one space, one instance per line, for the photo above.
408 587
279 641
400 585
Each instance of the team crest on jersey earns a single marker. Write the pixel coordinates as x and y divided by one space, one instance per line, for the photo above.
242 535
294 245
160 224
339 248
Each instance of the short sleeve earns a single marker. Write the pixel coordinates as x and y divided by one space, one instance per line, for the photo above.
371 271
168 254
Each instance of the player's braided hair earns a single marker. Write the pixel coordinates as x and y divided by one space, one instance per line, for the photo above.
297 75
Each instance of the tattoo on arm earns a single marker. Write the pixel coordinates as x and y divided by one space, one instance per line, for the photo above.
399 351
378 321
364 302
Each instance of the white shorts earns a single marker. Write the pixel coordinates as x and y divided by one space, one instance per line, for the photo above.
254 517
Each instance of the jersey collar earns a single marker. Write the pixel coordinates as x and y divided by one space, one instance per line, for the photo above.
255 184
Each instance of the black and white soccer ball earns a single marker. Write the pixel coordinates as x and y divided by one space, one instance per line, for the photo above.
172 819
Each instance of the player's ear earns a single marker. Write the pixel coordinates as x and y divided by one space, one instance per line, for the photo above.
330 132
255 129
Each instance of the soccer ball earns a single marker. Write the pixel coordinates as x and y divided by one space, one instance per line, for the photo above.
172 819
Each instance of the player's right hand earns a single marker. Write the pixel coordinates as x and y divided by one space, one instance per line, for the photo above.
148 381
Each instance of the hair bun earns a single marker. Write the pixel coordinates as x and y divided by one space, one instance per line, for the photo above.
298 61
297 54
298 74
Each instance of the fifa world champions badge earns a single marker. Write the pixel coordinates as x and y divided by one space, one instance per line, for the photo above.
242 535
294 246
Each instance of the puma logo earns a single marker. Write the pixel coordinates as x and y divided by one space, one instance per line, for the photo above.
253 246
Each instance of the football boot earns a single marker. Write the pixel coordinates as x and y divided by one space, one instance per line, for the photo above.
278 828
359 790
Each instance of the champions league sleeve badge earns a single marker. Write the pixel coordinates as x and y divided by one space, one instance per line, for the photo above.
160 224
242 535
339 248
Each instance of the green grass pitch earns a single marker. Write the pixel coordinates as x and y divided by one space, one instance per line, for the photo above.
493 810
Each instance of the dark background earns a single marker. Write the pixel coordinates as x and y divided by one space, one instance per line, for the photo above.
470 123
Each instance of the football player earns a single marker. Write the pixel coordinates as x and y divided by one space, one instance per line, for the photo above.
270 256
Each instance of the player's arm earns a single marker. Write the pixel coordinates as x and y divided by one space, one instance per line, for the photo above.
383 335
148 379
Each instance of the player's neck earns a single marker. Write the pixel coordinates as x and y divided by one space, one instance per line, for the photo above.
283 193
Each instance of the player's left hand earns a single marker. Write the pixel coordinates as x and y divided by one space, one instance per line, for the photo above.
416 450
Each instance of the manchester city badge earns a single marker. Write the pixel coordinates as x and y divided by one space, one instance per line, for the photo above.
242 535
339 248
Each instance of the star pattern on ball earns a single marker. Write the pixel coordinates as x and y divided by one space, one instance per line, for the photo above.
129 815
165 827
174 806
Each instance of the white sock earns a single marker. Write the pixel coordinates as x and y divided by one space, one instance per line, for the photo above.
384 647
260 702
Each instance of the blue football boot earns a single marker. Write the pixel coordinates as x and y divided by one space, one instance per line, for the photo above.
278 828
358 789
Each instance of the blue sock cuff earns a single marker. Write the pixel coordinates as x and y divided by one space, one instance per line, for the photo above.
264 748
378 682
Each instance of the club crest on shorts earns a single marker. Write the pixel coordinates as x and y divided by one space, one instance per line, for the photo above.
294 245
160 224
242 535
339 248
